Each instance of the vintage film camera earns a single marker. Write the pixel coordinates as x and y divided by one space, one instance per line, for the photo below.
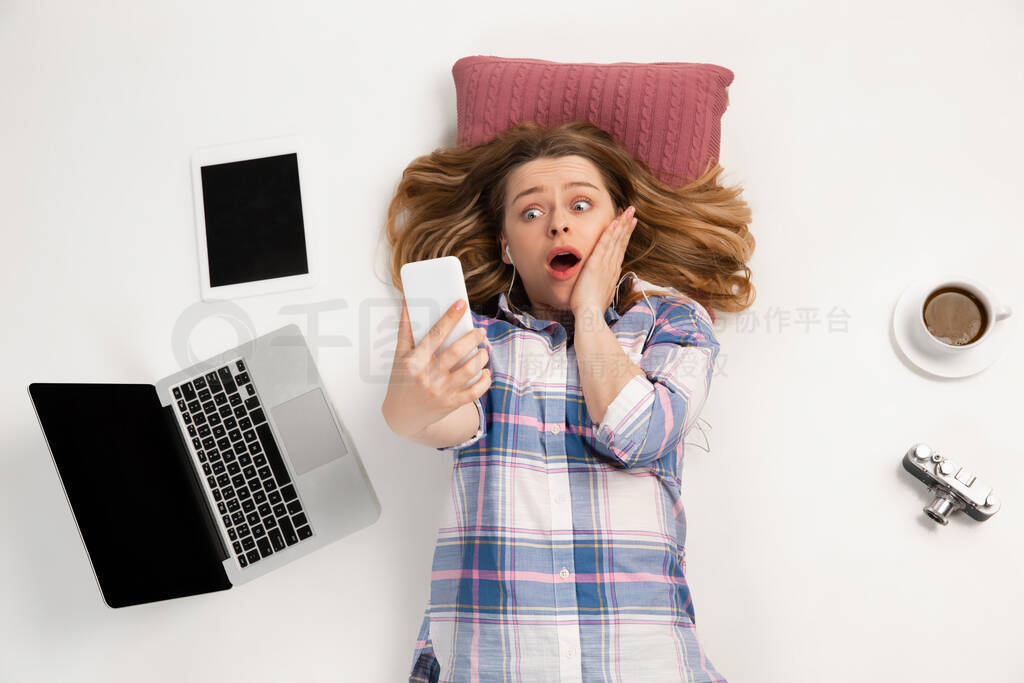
955 488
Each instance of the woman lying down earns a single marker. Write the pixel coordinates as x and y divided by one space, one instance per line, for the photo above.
561 554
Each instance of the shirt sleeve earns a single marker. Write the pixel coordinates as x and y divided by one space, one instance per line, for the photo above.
479 432
652 413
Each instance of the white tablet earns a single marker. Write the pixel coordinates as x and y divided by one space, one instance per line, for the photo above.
256 228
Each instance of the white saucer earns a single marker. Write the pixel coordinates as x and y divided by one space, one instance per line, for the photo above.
959 364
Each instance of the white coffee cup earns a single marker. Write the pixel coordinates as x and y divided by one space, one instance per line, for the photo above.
994 312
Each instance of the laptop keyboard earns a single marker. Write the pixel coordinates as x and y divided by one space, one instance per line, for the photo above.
257 501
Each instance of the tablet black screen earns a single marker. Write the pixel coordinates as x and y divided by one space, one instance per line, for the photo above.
254 226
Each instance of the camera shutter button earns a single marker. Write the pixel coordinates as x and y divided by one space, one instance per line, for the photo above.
921 451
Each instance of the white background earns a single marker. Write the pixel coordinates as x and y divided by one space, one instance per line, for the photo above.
875 140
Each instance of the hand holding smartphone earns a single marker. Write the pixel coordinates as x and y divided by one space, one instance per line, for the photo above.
438 366
431 287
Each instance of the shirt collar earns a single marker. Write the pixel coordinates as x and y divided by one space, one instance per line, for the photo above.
528 321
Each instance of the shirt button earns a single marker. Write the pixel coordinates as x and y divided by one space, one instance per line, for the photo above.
560 498
570 651
564 573
555 430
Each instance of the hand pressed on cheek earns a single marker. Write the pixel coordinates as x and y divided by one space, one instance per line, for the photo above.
596 283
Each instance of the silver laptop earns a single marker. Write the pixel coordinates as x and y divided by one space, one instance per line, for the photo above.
211 477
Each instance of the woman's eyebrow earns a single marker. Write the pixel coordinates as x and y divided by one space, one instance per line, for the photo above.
541 188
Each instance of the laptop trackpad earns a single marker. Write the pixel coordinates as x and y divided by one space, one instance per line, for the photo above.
309 432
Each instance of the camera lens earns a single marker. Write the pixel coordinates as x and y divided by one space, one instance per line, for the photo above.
940 509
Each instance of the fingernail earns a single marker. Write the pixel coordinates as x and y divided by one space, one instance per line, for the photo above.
460 304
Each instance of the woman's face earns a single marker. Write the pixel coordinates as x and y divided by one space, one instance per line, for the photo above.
550 204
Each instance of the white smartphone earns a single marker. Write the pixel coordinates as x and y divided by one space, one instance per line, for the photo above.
431 287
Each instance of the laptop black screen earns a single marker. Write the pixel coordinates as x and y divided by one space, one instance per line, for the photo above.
254 226
124 474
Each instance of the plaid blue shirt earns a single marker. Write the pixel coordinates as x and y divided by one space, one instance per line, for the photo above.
561 554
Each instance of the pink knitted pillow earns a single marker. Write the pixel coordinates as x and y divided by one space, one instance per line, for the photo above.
667 114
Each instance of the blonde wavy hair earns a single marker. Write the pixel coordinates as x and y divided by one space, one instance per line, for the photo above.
692 238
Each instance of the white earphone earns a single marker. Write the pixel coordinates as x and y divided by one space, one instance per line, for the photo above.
642 291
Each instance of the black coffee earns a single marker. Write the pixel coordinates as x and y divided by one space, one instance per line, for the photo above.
954 316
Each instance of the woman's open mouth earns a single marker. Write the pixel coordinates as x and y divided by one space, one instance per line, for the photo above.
564 265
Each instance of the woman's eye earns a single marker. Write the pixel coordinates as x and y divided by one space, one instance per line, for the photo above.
526 214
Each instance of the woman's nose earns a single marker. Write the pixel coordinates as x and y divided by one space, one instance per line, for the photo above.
559 222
